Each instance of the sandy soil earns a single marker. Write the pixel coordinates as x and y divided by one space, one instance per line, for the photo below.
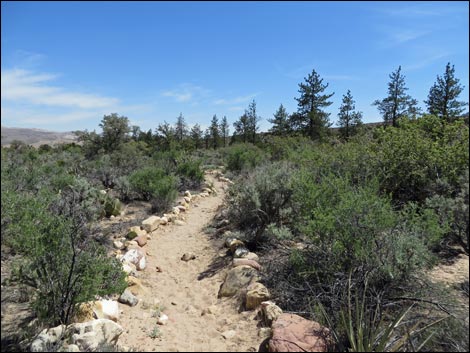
183 290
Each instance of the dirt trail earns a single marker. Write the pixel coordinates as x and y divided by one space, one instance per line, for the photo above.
183 290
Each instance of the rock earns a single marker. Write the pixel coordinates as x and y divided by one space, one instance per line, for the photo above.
188 256
229 239
136 257
187 193
240 252
151 223
181 208
134 232
210 310
163 319
141 240
128 267
135 286
176 210
179 223
234 245
229 334
88 336
293 333
106 309
245 262
128 298
118 244
47 338
131 244
187 199
251 256
270 312
84 312
237 278
204 194
73 348
256 293
164 221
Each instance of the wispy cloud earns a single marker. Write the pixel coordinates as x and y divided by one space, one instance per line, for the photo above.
187 92
235 100
400 37
339 77
35 88
423 10
425 62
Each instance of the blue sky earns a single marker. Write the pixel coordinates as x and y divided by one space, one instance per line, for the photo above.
66 64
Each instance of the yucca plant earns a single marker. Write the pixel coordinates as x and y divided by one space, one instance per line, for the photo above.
372 335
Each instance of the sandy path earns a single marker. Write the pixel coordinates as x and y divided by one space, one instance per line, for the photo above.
182 296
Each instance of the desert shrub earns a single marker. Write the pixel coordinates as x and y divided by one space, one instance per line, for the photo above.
154 185
262 198
353 228
244 156
190 174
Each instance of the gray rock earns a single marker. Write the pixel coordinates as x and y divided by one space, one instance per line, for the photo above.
237 278
128 298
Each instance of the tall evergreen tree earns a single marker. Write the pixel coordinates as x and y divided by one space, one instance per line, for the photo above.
224 130
181 129
166 135
310 117
207 137
280 122
397 104
214 130
253 120
196 136
442 98
348 119
242 128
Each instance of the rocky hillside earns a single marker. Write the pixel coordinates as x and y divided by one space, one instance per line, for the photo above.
35 137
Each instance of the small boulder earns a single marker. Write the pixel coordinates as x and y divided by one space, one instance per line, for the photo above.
187 193
234 245
106 309
141 240
237 278
47 338
175 210
251 256
187 199
293 333
181 208
128 267
128 298
256 293
88 336
136 257
163 220
162 319
245 262
118 245
134 232
270 312
240 252
151 223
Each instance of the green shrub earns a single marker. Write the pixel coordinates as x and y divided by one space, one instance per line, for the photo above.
191 174
244 156
261 199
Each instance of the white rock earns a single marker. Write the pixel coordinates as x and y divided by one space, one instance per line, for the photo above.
176 210
88 336
128 267
229 334
181 208
187 199
163 319
118 245
106 309
187 193
163 220
47 338
136 257
151 223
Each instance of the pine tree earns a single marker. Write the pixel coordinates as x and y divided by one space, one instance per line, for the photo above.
242 127
310 117
442 98
207 137
196 136
214 131
398 104
181 129
166 135
280 122
224 130
348 119
253 120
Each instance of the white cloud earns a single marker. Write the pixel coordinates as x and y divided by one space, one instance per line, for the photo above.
236 100
187 92
425 62
34 88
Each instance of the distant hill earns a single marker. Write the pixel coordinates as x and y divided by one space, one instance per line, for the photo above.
35 137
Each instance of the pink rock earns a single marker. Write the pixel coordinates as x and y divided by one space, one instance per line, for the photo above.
141 239
293 333
247 262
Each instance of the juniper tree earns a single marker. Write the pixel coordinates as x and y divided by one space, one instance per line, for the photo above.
280 122
397 104
310 117
224 130
348 119
214 131
442 98
242 127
